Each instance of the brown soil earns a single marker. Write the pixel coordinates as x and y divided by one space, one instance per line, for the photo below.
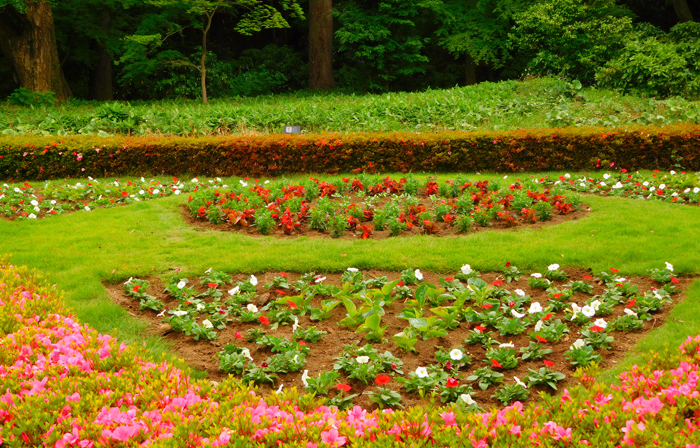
445 230
202 355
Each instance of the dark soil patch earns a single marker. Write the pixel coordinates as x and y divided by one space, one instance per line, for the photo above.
202 355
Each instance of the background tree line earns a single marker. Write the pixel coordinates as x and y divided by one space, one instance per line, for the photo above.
156 49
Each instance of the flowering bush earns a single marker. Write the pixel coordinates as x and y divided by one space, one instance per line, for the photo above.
67 385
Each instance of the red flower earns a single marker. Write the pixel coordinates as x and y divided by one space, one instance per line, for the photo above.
263 365
451 382
264 320
614 271
212 285
237 335
480 328
302 343
587 277
292 305
548 363
547 317
400 283
674 280
381 380
558 295
449 279
495 363
498 282
487 305
597 328
284 274
343 387
541 339
282 293
124 193
448 366
136 288
632 303
507 264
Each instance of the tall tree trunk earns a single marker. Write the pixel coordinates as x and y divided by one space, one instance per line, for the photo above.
101 88
321 45
682 10
28 41
203 62
470 70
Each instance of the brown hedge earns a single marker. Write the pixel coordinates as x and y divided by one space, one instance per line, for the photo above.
26 158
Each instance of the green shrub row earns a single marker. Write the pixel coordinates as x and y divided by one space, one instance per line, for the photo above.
676 147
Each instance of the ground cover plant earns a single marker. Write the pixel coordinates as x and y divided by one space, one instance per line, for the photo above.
372 207
457 337
124 398
507 105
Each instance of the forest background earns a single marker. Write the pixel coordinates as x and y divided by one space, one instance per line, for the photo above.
202 49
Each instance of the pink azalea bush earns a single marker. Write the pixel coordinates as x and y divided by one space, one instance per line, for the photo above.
63 384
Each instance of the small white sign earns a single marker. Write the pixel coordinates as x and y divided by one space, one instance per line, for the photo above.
292 129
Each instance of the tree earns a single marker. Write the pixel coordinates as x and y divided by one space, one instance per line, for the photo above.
321 45
180 14
28 41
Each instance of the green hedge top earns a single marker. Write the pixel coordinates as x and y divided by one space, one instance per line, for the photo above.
26 158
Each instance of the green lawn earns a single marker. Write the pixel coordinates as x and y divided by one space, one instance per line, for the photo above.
79 251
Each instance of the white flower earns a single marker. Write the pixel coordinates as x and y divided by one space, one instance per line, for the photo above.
422 372
181 284
129 281
37 209
418 274
34 202
161 313
200 307
31 216
588 311
578 344
603 184
466 269
352 269
618 185
456 354
652 188
253 280
208 270
672 172
600 323
207 324
87 209
195 180
319 279
596 304
53 202
295 326
517 381
516 314
156 191
553 267
662 187
141 192
506 345
645 183
279 389
362 359
252 308
687 190
696 190
267 182
538 325
520 292
629 312
305 377
621 279
606 176
176 192
234 291
535 307
669 266
246 353
17 190
567 176
536 275
583 185
467 399
179 313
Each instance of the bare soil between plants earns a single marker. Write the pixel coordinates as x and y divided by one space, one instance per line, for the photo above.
202 355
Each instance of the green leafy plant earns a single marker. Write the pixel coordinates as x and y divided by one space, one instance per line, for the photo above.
323 383
534 352
544 377
510 393
485 377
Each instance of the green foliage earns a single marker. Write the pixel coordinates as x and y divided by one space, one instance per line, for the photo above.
26 97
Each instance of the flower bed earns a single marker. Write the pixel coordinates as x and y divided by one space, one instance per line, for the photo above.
478 341
373 207
66 385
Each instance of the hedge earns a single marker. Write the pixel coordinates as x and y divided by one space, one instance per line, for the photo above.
26 158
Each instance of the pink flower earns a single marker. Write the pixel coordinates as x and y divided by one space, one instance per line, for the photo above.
332 438
449 418
515 430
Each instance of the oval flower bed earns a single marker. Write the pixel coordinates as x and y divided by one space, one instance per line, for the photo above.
478 341
373 207
67 385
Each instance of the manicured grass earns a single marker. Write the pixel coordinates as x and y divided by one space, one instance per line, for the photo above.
79 251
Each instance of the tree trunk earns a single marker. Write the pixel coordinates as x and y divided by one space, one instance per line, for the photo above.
203 62
471 71
101 88
682 10
321 45
28 41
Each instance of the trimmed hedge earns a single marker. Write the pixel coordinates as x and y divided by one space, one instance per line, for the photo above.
28 158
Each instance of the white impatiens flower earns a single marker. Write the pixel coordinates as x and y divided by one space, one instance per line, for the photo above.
467 399
617 185
535 307
621 279
352 269
600 323
181 284
141 192
456 354
200 307
567 176
606 176
672 172
596 304
295 326
516 314
34 202
539 325
536 275
279 389
696 190
253 280
520 292
603 184
645 183
319 279
156 191
206 323
362 359
629 312
588 311
652 188
669 266
553 267
466 269
87 209
176 192
422 372
576 309
246 353
195 180
418 274
129 281
252 308
31 216
662 187
517 381
234 291
506 345
578 344
179 313
305 377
